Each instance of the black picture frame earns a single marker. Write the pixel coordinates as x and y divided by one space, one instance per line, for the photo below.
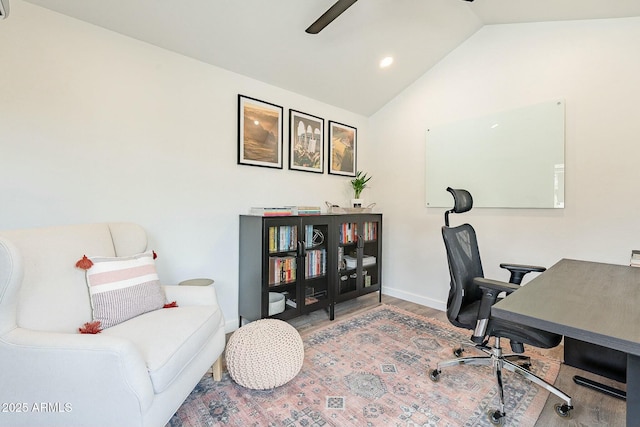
306 142
343 149
259 133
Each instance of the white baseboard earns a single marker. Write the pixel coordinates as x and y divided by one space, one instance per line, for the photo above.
418 299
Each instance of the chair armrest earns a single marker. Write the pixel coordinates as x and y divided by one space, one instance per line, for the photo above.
518 271
191 295
496 285
490 291
36 363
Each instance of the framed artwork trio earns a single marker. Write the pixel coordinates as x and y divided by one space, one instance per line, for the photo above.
260 139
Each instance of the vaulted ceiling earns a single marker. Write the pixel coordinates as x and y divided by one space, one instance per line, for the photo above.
266 39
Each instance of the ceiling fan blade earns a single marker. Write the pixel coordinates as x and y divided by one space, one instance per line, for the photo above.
332 13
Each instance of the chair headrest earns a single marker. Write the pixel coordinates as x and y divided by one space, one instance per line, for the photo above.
462 200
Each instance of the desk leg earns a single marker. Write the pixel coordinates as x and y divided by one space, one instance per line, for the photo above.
633 390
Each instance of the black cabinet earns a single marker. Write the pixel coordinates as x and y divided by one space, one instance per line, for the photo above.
310 261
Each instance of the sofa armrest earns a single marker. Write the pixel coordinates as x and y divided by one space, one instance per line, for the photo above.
191 295
58 367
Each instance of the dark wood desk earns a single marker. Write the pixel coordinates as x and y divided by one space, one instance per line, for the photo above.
593 302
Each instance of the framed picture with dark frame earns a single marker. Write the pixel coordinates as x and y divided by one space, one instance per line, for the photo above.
259 133
342 149
306 142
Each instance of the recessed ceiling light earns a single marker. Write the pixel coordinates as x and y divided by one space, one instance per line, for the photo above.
386 62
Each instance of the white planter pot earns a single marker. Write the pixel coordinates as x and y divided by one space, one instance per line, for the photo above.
357 203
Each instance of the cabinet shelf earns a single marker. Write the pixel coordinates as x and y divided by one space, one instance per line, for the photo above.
278 286
308 251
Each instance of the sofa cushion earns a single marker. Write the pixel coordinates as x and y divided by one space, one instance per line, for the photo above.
169 339
123 287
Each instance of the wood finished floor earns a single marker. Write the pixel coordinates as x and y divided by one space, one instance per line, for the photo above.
591 409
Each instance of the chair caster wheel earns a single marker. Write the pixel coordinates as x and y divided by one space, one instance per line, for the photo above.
496 417
434 375
563 410
458 352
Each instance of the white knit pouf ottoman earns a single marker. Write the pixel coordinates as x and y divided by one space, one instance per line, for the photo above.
264 354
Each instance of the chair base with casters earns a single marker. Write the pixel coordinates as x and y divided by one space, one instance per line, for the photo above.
471 297
499 361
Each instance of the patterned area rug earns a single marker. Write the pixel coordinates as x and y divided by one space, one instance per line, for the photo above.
373 370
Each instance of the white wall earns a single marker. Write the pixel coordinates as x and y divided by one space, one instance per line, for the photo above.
594 66
96 127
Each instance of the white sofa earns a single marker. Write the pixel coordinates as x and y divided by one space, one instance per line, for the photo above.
136 373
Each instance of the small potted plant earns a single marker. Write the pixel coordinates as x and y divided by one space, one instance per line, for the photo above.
359 183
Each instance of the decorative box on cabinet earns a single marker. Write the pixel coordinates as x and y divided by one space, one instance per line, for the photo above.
305 258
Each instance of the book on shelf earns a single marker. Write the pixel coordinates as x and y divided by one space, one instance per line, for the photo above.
348 233
282 270
315 262
308 300
370 231
368 260
283 238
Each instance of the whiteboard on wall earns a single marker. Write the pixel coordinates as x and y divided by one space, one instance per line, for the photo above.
512 159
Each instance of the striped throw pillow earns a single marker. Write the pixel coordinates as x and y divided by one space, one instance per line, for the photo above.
123 288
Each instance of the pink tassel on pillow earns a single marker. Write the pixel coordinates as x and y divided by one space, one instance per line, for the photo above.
90 328
85 263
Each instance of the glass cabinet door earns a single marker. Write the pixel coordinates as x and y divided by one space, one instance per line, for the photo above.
282 267
358 253
347 257
315 281
370 253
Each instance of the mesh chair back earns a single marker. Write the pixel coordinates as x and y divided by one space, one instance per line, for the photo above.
463 257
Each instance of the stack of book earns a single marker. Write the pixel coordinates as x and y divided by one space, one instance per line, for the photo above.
367 260
285 210
308 210
307 301
276 211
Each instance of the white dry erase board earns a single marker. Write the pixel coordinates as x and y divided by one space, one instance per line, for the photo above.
512 159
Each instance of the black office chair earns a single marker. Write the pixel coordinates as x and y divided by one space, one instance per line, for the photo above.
469 306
